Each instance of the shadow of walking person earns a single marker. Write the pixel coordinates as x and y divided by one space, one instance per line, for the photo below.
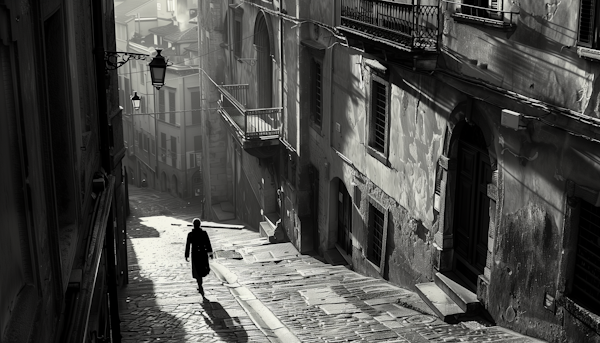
228 328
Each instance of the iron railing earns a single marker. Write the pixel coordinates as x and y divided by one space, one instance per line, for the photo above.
252 123
409 26
492 15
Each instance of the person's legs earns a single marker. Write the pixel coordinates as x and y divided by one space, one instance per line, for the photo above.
200 289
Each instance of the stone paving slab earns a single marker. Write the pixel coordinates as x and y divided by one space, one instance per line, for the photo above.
308 300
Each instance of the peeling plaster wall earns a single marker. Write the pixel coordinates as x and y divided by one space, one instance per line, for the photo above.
538 59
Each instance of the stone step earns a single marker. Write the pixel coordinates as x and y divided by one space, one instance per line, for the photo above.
462 296
439 302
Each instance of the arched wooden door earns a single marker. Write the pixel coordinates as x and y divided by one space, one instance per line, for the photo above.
471 216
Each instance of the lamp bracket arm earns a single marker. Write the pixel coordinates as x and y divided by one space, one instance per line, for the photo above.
116 59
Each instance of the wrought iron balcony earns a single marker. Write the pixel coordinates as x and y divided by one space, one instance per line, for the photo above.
408 25
254 127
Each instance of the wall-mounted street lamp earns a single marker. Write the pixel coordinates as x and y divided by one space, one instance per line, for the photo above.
136 101
158 65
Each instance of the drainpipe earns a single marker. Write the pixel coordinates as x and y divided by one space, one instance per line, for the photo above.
184 145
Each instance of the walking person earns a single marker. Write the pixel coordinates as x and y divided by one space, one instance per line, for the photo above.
201 249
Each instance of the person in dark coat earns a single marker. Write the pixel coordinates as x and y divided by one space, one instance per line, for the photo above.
201 249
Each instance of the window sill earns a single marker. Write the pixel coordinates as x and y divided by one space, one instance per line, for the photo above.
378 156
472 19
590 319
588 53
317 128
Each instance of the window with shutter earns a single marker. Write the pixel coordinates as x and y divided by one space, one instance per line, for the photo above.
377 222
378 123
586 277
172 108
587 24
317 101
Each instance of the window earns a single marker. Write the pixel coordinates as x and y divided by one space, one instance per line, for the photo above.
198 143
142 76
317 92
377 233
170 7
237 34
163 146
195 103
174 151
146 142
588 12
172 108
586 275
378 125
376 220
161 105
152 146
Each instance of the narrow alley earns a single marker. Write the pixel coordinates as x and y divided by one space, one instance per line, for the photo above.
261 292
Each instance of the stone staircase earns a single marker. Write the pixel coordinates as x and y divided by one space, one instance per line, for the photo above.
450 301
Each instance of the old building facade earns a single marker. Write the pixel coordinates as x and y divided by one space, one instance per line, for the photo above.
428 143
164 136
64 198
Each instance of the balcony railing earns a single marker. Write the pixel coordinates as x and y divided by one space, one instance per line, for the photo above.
409 26
251 123
491 16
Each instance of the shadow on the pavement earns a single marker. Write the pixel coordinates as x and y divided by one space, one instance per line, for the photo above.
217 318
141 316
140 231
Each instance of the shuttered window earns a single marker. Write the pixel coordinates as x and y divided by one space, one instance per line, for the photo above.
379 119
587 25
317 92
586 277
378 124
376 221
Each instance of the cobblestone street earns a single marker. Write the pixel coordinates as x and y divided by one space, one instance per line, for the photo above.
261 292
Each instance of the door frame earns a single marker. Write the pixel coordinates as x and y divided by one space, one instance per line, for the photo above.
444 194
477 221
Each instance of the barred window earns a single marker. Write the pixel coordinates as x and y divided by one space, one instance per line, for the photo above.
379 118
377 233
586 276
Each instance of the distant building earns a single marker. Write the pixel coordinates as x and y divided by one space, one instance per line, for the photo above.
162 137
64 198
428 143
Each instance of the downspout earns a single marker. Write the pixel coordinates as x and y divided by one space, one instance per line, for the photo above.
184 159
280 184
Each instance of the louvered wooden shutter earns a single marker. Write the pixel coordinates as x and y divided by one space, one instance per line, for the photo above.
587 17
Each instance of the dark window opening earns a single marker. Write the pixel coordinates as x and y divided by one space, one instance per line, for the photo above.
586 276
376 227
317 112
379 117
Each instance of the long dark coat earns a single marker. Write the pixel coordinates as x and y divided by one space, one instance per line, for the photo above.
200 245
